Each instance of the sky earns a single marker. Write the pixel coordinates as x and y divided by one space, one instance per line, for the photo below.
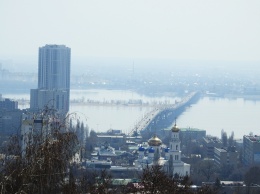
227 30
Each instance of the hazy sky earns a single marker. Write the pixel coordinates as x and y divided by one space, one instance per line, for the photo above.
183 29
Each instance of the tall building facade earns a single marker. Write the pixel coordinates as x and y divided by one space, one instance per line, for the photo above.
226 157
54 67
251 149
53 79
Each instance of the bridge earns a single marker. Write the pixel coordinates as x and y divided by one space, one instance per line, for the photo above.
163 116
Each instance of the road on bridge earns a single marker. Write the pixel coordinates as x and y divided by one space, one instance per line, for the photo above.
150 116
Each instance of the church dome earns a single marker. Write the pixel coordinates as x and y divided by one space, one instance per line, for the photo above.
167 150
151 150
141 149
154 141
175 128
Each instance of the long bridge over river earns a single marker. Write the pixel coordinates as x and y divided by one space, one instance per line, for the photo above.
164 115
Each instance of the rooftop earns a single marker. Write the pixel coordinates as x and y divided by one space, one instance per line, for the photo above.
188 129
210 139
221 149
111 136
253 138
191 129
54 46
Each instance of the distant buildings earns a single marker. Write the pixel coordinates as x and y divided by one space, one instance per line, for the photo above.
56 99
123 163
3 73
171 162
98 164
10 117
36 129
54 67
188 134
32 126
10 122
115 141
8 104
104 152
223 157
251 149
53 79
209 144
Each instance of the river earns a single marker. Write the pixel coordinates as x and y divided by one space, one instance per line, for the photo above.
211 114
214 114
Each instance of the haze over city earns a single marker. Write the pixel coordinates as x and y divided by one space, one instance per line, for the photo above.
192 32
129 96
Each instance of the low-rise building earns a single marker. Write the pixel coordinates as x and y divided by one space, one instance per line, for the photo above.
38 128
10 122
224 157
7 104
57 99
32 127
115 141
188 134
209 143
98 164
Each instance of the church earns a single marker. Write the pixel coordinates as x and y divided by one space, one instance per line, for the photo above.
171 162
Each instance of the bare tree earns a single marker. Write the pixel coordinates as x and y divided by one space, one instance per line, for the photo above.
206 169
224 138
98 182
231 139
170 166
156 156
41 165
155 180
252 177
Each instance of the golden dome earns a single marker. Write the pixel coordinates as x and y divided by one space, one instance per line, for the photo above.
154 141
175 128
